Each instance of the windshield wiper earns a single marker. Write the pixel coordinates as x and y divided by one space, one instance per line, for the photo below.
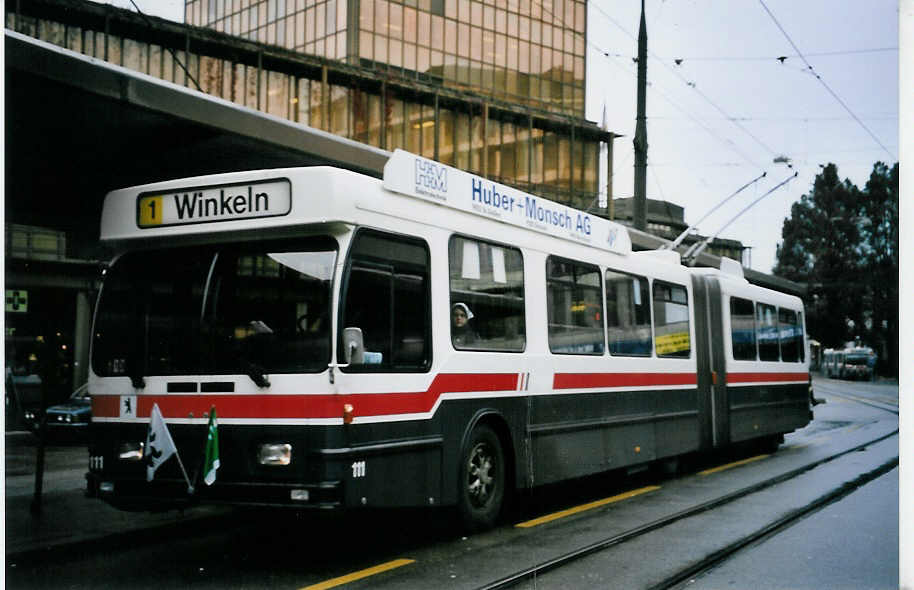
136 379
257 375
135 370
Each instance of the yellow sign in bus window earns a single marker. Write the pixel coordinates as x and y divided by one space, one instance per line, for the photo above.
150 211
668 344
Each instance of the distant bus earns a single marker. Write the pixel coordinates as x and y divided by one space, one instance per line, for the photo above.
431 339
853 362
815 355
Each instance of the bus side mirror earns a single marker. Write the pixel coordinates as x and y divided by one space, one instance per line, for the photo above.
353 346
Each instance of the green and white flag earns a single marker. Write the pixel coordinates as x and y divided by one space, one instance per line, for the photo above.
211 463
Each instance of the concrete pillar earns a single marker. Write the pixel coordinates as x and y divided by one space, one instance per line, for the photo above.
82 335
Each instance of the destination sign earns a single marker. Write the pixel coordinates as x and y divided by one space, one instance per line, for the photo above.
214 203
413 175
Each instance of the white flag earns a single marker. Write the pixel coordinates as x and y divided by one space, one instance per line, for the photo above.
159 446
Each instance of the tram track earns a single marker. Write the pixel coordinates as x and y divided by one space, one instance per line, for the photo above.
576 555
773 528
879 405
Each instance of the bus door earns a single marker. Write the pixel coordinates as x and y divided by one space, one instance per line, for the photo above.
384 351
713 404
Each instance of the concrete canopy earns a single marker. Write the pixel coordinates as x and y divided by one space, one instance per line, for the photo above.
78 127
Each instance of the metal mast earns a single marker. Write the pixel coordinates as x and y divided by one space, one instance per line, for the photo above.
640 208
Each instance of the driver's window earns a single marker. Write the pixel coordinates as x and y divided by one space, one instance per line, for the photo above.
270 305
386 297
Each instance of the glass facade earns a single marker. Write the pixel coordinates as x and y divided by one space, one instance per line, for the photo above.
520 51
391 75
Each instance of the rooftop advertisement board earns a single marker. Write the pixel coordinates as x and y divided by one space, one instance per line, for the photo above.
419 177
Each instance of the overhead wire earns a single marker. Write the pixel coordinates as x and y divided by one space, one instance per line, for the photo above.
824 84
675 104
174 56
657 182
794 119
692 85
784 57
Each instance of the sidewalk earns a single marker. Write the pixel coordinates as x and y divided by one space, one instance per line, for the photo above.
68 518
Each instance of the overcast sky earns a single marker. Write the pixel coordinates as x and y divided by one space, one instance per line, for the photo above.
719 118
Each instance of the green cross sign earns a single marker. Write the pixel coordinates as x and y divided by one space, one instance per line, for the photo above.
17 301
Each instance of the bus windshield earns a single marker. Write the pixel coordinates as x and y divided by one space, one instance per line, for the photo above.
252 308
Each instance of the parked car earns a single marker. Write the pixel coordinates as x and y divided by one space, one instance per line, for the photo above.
23 401
70 420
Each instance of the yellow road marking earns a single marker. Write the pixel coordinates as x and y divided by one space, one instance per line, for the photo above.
730 465
333 583
583 507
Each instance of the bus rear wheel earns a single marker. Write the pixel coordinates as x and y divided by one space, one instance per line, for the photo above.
482 479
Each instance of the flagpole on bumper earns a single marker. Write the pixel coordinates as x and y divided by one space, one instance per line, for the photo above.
160 446
190 486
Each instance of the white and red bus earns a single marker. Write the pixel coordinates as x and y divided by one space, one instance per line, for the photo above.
430 339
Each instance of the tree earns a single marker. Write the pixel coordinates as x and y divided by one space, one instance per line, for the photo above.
880 262
843 243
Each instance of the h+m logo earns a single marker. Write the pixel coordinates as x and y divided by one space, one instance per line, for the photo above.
431 178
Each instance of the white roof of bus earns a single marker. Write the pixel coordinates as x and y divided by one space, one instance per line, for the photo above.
287 197
413 188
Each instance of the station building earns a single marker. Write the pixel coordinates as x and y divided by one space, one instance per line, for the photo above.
667 220
490 87
496 89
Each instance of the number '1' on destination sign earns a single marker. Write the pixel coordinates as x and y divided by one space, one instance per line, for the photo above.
214 203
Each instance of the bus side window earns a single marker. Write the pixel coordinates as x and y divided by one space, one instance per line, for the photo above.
742 329
628 314
671 320
487 296
574 296
791 336
387 296
767 328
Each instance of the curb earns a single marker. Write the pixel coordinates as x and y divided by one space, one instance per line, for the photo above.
140 536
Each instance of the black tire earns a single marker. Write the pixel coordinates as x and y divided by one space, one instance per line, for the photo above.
770 444
481 479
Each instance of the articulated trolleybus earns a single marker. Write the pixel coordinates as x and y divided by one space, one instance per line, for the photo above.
430 339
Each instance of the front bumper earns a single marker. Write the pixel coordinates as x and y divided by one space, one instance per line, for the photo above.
130 493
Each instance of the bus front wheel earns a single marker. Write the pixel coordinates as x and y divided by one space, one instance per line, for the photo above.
482 479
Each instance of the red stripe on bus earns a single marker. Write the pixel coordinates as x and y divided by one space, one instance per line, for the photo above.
322 405
105 405
765 377
592 380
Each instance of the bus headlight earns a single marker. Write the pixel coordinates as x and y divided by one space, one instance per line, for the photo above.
132 451
300 495
275 454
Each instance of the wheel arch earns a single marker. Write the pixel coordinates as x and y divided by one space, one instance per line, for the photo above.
499 424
